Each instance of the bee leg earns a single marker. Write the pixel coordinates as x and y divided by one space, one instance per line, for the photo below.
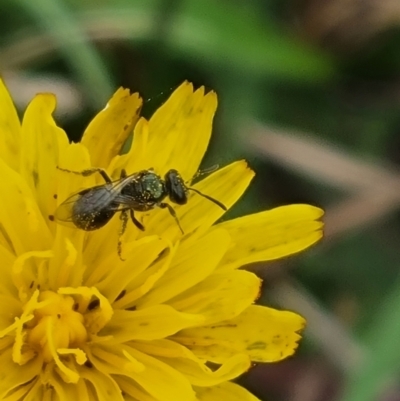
136 222
172 213
90 171
124 221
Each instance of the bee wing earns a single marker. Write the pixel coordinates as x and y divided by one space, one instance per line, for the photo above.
64 211
96 199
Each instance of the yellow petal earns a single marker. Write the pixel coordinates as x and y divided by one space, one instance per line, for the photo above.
226 392
112 359
142 253
132 391
36 391
24 392
146 280
66 391
264 334
195 369
199 374
13 376
150 323
65 267
7 259
104 385
165 348
159 379
42 143
9 308
6 249
220 296
108 131
68 242
272 234
180 130
135 159
193 262
75 158
102 243
20 216
226 185
10 129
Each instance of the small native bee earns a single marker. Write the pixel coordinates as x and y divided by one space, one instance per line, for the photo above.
92 208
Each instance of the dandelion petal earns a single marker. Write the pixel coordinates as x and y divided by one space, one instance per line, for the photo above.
185 272
265 334
20 216
66 391
132 391
225 391
105 387
108 131
199 374
272 234
10 138
181 127
160 380
220 296
150 323
42 143
11 377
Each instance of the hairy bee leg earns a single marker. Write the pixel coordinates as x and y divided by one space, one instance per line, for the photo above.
90 171
136 222
124 221
172 213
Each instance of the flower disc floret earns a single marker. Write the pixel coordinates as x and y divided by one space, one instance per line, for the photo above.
55 325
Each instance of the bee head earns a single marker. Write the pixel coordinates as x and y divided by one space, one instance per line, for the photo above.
176 188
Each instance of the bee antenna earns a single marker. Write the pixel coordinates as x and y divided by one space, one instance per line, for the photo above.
208 170
218 203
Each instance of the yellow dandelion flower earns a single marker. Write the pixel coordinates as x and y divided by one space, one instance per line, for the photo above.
174 320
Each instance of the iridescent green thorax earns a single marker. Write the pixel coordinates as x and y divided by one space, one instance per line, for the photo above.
145 189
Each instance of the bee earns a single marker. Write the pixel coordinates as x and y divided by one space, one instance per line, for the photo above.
92 208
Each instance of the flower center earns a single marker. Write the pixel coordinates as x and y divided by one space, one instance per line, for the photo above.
56 325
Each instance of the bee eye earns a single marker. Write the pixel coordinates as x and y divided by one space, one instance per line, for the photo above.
175 187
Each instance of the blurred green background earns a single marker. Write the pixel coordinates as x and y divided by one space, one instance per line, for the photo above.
309 93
